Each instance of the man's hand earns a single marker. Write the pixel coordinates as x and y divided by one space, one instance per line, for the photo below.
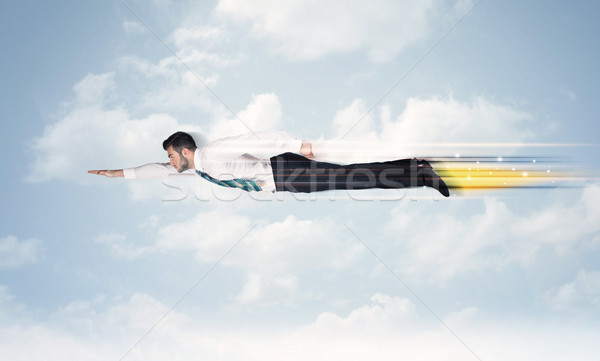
108 173
306 150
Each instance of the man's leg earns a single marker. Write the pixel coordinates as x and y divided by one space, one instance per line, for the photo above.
295 173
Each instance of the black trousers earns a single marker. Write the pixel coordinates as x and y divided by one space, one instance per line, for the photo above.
295 173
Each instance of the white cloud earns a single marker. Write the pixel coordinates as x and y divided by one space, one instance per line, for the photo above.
132 317
448 120
581 293
150 223
167 85
15 253
262 114
189 36
208 234
120 248
8 309
133 27
273 255
94 133
99 329
267 289
355 117
94 90
492 239
385 314
464 318
426 127
91 137
437 120
306 30
563 226
119 119
383 328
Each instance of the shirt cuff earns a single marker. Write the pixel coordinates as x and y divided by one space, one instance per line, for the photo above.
129 173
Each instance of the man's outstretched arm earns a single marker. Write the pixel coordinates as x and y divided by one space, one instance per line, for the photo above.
151 170
108 173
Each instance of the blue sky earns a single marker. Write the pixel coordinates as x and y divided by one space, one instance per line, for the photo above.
88 265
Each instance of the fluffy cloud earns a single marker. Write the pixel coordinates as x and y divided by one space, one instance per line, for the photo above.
208 234
273 255
426 127
119 119
305 30
355 117
97 133
97 329
91 136
9 310
562 226
437 120
15 253
120 248
193 36
581 293
383 328
384 314
262 114
494 238
449 120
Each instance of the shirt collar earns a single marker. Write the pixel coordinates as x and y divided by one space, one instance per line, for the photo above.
197 159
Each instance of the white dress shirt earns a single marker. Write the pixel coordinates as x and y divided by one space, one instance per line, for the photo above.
240 157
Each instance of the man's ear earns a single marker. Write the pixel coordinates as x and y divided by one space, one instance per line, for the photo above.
186 152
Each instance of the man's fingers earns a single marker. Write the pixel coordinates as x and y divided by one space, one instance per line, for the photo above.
98 172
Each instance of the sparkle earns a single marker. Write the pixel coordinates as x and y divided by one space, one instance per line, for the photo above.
490 173
524 174
534 161
456 155
499 159
548 171
513 169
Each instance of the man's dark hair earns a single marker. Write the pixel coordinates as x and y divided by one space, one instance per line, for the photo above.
180 140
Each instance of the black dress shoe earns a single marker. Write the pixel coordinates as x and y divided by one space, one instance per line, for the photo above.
430 178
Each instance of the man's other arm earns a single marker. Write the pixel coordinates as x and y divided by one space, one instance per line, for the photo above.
263 145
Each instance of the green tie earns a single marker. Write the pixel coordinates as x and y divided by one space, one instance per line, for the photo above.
245 184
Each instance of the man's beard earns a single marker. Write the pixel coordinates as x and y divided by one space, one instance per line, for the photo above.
185 165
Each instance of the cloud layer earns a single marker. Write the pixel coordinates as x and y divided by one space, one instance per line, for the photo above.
15 253
495 238
383 328
306 30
